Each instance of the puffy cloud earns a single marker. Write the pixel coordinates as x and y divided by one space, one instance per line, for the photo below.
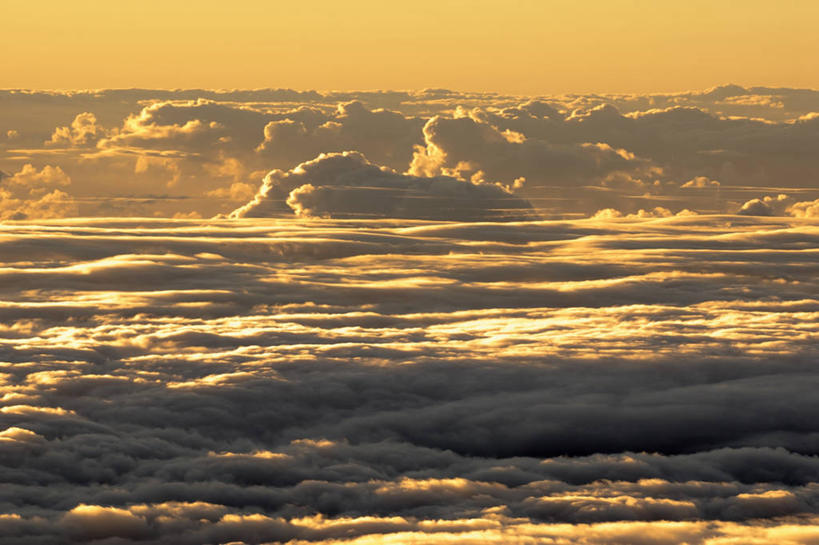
805 209
32 193
656 212
466 146
347 185
384 136
155 152
766 206
31 180
193 127
83 131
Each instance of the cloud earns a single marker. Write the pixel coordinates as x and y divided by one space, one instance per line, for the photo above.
804 209
567 155
348 185
466 146
32 180
656 212
409 368
83 131
766 206
34 194
646 380
386 137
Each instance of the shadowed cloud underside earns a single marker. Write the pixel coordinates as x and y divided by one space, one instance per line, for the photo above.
609 380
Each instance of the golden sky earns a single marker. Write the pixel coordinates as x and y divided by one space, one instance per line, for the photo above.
524 46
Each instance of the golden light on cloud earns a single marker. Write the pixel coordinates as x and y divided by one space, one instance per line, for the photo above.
551 279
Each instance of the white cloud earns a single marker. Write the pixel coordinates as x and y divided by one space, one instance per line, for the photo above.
347 185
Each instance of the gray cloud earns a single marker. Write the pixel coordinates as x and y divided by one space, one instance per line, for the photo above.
408 368
263 380
567 154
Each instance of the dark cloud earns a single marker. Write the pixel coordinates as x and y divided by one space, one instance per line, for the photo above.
270 380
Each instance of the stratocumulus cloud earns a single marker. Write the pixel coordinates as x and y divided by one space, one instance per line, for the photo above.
609 380
346 184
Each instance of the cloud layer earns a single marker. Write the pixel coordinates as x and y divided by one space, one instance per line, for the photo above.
200 153
423 316
340 185
611 380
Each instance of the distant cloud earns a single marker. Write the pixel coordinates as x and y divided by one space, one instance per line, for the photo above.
805 209
35 194
83 131
385 137
340 185
707 151
766 206
468 147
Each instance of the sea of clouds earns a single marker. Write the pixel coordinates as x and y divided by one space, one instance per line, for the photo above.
423 317
626 380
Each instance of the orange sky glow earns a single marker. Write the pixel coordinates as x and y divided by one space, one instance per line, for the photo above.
523 46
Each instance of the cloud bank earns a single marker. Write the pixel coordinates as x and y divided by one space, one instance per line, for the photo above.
202 153
346 184
609 380
423 316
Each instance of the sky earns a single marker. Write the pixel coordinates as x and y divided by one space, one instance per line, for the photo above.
327 273
519 47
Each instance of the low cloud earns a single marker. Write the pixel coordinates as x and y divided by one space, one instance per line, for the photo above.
346 184
264 380
465 146
385 137
805 209
414 366
780 205
34 194
707 151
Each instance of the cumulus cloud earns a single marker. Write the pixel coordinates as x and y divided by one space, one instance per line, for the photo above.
656 212
805 209
347 185
83 131
34 194
766 206
155 152
384 136
466 146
